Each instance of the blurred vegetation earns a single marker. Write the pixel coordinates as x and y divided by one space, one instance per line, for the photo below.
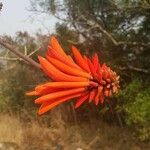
135 99
119 31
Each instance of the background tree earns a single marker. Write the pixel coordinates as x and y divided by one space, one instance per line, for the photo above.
1 5
119 31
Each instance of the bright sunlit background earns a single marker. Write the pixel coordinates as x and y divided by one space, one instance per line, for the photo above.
16 16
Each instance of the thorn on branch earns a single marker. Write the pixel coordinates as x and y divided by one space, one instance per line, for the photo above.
20 55
17 58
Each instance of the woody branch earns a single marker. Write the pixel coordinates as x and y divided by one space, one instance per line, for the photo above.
22 56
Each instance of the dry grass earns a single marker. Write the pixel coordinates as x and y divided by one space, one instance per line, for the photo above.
58 135
10 129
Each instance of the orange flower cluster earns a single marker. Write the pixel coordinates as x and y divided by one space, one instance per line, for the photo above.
83 79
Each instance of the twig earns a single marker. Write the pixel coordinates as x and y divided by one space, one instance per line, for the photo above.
33 52
19 54
133 43
94 24
119 119
25 50
74 113
135 69
1 6
17 58
146 7
93 142
113 114
8 58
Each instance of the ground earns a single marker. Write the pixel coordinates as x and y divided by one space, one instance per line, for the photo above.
35 135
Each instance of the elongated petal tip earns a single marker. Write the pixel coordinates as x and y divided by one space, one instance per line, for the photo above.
73 47
37 101
53 38
40 112
81 100
31 93
40 58
95 56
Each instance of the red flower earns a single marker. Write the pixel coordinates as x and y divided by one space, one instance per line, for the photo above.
83 79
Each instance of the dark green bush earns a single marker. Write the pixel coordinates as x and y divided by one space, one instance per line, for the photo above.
136 104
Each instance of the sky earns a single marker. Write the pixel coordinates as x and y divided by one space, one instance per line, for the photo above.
15 16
